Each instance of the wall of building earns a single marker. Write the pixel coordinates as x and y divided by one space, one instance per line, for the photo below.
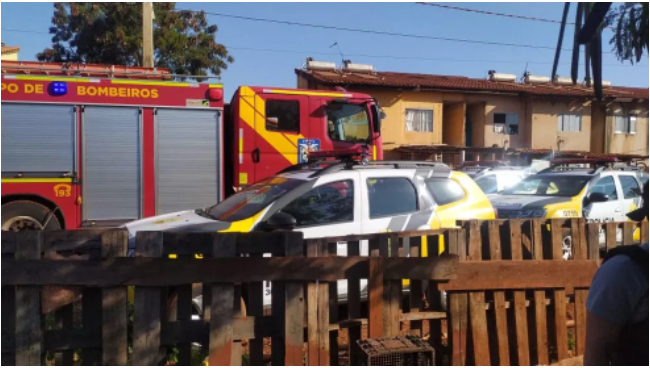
10 56
476 118
500 104
598 127
453 128
637 143
545 125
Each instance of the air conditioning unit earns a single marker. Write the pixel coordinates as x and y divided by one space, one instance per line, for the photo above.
320 65
501 77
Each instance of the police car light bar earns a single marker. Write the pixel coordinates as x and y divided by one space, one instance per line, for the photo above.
568 161
345 154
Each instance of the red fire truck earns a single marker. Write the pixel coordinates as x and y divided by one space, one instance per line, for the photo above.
96 146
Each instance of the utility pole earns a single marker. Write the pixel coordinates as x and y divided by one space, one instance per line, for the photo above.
147 35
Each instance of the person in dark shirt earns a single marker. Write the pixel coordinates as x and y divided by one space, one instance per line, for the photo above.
617 305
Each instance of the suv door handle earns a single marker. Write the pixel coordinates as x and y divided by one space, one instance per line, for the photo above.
617 210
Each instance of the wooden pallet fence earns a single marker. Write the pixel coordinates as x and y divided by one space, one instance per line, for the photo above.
159 324
514 291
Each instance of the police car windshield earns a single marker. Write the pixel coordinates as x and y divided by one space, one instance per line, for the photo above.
347 122
253 199
549 185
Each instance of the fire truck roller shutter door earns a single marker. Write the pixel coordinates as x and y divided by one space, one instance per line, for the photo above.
187 159
111 163
37 138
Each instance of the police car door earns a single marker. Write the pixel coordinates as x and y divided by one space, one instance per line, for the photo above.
631 195
604 211
391 203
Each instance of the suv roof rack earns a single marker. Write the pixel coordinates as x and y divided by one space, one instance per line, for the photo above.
329 167
596 164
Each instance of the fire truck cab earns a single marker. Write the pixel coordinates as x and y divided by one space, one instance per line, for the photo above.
98 146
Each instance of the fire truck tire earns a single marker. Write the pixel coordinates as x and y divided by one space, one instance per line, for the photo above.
28 215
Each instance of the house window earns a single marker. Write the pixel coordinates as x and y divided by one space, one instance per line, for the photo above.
418 120
282 116
624 124
569 123
506 123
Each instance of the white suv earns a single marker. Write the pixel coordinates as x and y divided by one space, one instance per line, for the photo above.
495 176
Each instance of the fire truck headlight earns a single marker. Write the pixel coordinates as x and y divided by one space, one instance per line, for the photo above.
58 88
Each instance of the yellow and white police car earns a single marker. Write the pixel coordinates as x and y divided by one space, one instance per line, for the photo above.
338 198
569 188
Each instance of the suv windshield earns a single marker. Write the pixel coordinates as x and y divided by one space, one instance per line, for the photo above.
253 199
347 122
549 185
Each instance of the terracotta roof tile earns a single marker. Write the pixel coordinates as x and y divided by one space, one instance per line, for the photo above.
457 83
7 49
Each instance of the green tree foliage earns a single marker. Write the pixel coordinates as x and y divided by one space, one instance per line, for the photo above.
111 33
630 39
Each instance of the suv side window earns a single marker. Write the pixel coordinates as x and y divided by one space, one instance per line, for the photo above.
445 191
606 186
331 203
488 184
630 187
391 196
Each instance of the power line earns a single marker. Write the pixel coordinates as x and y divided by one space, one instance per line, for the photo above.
375 32
396 57
486 12
492 13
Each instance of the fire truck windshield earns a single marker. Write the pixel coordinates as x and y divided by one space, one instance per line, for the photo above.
347 122
251 200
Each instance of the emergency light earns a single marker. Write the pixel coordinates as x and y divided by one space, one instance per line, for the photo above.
58 88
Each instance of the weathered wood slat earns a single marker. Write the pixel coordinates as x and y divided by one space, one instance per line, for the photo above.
162 271
354 304
223 299
114 317
312 311
457 303
521 319
628 233
28 333
478 315
559 295
63 319
325 350
147 313
392 295
415 286
499 297
541 329
610 235
294 311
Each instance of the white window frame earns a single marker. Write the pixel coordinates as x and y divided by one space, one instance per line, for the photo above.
564 123
409 126
510 120
629 124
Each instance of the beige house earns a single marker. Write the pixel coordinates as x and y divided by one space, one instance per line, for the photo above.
469 112
10 52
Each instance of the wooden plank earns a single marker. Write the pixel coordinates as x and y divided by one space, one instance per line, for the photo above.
376 295
458 303
8 243
312 311
556 238
434 299
184 314
354 304
415 286
255 308
581 295
593 241
499 297
294 303
223 298
325 350
541 332
333 312
610 235
63 320
174 272
114 314
644 232
147 313
511 275
392 294
28 308
8 322
521 319
559 297
628 233
477 311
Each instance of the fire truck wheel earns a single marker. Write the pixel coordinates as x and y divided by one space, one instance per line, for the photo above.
28 215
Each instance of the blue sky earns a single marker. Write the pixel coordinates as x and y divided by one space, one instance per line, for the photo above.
292 44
